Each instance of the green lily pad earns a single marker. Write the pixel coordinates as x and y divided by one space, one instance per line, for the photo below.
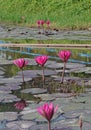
34 90
46 97
9 116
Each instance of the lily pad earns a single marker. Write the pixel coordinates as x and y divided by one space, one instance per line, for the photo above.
2 91
4 88
1 72
29 73
30 116
73 106
62 95
9 116
53 126
14 80
47 72
55 66
46 97
6 98
12 86
34 90
19 124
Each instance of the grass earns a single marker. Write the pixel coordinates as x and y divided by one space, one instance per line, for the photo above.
64 14
32 41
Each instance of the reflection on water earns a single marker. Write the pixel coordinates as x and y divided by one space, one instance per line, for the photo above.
78 55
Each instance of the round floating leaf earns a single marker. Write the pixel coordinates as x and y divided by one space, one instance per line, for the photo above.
46 97
9 116
34 90
20 124
6 98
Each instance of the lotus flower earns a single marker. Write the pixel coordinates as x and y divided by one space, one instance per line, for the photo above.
48 25
41 60
20 105
64 55
21 63
48 22
40 23
47 111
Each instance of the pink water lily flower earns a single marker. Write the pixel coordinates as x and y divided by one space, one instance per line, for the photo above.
41 60
48 22
47 111
42 22
39 23
20 105
64 55
21 62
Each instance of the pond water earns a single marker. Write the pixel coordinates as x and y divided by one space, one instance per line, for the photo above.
72 98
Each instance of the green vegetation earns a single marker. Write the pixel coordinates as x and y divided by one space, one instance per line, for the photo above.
63 14
32 41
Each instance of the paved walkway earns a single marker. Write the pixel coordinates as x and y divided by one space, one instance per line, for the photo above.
78 46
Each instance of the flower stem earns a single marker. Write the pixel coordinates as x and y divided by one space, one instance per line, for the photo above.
43 29
49 125
23 76
39 30
43 77
63 72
